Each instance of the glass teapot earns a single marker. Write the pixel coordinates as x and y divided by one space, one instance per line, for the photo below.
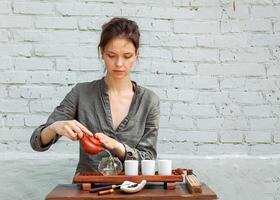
110 166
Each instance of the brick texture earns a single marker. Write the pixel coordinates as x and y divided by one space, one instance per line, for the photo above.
216 71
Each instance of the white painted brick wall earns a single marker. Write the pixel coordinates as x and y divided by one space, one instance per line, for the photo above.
33 8
56 22
15 21
191 27
32 64
217 71
31 92
231 137
5 7
226 70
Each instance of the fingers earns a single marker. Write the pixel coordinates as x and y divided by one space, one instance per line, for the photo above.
76 129
83 128
70 133
71 129
106 141
101 137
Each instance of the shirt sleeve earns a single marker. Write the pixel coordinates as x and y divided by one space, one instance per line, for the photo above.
65 111
146 148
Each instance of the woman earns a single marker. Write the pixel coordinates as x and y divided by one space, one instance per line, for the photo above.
123 115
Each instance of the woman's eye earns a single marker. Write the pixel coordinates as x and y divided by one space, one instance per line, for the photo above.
110 56
127 57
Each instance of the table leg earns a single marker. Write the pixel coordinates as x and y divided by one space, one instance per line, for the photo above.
86 186
169 185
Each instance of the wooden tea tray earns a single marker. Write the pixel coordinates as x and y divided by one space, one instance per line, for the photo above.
88 179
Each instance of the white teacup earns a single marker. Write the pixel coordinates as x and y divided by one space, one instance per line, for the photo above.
164 167
148 167
131 167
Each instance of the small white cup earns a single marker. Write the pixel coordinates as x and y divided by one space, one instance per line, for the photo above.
148 167
131 167
164 167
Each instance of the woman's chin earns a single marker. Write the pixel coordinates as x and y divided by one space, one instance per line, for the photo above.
118 75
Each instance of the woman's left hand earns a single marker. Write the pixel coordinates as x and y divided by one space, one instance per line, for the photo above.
111 144
108 142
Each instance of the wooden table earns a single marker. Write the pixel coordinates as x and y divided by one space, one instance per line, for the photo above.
151 192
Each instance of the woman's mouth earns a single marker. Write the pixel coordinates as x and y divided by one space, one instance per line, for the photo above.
118 71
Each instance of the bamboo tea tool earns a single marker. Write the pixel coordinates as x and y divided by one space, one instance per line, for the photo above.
92 190
193 185
106 192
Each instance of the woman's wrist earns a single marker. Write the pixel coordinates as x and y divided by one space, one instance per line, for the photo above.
119 150
118 147
47 134
52 128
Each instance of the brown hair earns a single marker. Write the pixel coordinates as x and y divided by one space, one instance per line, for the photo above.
119 27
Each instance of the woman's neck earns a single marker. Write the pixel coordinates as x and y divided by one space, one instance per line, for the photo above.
119 85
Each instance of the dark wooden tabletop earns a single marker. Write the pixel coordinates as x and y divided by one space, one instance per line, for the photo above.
151 192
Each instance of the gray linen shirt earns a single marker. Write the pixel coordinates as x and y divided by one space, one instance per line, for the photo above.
89 104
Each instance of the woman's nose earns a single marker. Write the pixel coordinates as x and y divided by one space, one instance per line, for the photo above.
119 62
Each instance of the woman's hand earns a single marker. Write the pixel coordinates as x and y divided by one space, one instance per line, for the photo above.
108 142
71 129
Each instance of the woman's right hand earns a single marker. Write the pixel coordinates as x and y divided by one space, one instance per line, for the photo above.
71 129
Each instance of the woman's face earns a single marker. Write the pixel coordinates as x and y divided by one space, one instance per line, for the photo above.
119 56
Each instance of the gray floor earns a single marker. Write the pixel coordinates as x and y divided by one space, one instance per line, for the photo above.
33 179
